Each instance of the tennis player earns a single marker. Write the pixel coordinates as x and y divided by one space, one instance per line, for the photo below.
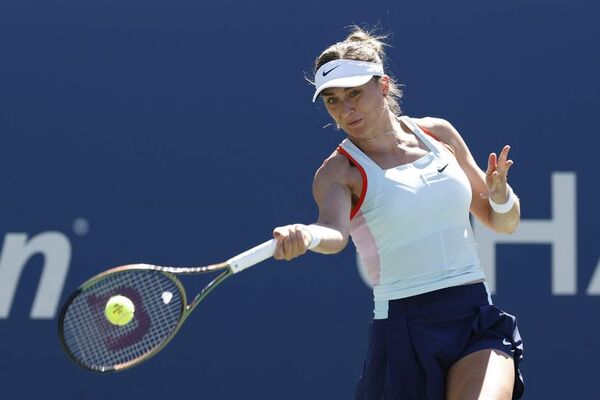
408 185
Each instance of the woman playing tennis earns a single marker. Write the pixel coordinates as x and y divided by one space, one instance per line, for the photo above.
408 185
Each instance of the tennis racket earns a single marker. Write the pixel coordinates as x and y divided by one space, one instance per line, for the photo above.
160 304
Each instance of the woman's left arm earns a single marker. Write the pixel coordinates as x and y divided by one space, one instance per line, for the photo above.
490 185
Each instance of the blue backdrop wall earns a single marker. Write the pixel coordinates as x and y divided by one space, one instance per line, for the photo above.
182 132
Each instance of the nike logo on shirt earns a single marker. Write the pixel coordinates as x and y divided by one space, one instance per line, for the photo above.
441 169
325 73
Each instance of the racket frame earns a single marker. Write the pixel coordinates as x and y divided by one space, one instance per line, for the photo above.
185 311
232 266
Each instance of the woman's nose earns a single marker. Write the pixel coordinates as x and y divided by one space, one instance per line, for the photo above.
347 107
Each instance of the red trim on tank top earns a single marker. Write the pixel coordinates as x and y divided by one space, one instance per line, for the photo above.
363 191
447 146
427 131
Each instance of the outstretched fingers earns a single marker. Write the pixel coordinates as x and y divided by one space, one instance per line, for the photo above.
496 174
504 163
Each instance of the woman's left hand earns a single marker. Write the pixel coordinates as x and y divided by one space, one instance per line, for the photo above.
496 176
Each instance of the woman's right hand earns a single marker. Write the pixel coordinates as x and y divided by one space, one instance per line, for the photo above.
292 241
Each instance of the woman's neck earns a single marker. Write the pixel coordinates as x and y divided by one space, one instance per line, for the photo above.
390 133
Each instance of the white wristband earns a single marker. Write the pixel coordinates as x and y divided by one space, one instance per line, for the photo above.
315 235
506 207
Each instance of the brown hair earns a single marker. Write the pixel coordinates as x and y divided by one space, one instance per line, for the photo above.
361 45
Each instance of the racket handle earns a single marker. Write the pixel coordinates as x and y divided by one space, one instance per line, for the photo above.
252 257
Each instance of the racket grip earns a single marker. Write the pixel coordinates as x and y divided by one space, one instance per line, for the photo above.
252 257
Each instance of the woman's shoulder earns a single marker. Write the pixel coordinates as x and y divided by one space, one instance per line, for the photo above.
439 127
442 130
336 168
336 164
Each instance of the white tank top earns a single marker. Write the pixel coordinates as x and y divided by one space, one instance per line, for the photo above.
411 224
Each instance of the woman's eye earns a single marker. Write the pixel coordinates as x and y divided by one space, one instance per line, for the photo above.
331 100
354 93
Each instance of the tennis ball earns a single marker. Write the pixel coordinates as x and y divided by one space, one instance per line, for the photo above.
119 310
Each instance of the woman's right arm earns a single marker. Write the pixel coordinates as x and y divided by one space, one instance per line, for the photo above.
332 193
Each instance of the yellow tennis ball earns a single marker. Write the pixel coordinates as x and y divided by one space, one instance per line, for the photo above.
119 310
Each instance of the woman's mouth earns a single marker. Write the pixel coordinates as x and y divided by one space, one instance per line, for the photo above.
354 123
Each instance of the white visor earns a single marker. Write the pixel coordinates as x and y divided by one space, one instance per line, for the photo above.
345 73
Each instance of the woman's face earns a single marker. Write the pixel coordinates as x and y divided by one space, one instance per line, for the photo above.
361 111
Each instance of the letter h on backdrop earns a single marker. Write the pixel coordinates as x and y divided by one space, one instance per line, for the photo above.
560 232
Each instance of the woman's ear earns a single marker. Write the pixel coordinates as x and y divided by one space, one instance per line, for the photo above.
384 85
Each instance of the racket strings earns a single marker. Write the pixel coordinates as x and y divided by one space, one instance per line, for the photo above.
99 345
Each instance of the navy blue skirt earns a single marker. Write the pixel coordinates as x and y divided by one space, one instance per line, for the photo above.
412 350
